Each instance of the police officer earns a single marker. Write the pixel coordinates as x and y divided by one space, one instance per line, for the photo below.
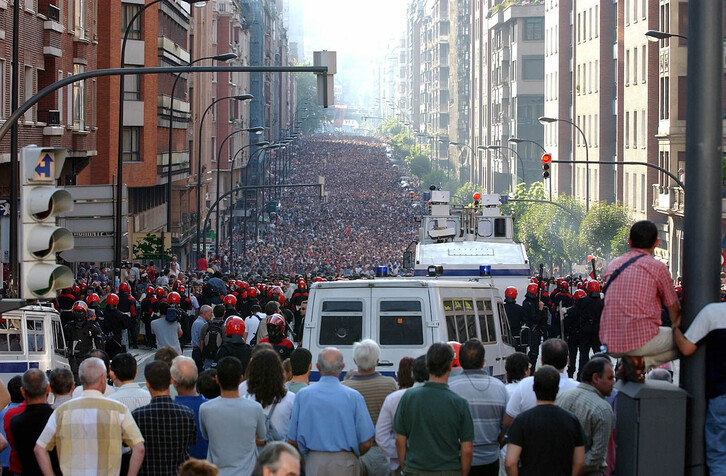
127 305
592 306
562 299
82 335
515 315
114 324
64 304
573 333
174 300
535 317
147 315
94 302
230 306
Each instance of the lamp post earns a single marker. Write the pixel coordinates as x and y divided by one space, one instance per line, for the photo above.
119 159
655 35
254 130
549 120
241 97
517 140
461 172
222 57
489 169
519 157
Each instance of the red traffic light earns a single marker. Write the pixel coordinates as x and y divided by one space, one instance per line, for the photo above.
546 158
477 196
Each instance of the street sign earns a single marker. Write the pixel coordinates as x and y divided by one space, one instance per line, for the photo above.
44 170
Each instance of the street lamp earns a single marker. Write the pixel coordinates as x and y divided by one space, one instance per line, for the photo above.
655 35
119 159
519 157
254 130
461 172
489 168
549 120
222 57
240 97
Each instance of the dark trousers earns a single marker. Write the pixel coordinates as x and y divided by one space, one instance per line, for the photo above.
583 345
149 337
198 359
491 469
534 341
134 332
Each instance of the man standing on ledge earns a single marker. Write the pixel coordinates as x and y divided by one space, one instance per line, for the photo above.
636 284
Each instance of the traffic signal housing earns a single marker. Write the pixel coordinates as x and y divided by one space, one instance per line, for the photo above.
41 202
546 159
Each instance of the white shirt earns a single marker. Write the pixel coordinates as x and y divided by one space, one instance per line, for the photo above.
385 436
523 398
132 395
252 323
280 420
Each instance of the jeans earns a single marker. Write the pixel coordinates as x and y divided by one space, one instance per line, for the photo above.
716 436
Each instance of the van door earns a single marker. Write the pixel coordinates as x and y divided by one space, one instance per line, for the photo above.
59 356
487 324
399 326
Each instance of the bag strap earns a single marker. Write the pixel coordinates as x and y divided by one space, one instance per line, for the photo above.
272 410
620 270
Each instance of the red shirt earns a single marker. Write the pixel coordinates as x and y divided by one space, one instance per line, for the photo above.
202 264
632 313
14 459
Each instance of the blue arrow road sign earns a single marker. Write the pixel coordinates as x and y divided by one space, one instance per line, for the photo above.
44 168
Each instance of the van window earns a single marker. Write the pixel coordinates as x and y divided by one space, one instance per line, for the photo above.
341 323
401 323
486 321
35 335
460 319
58 340
11 335
504 323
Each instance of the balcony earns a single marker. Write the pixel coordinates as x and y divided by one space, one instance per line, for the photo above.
668 200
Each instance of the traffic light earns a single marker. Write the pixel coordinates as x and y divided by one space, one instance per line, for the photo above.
41 202
546 159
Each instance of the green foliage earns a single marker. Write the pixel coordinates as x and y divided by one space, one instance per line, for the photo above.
602 225
464 195
619 244
312 116
440 180
150 248
418 161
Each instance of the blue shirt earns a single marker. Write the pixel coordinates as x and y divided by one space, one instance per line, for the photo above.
328 416
198 451
5 454
196 330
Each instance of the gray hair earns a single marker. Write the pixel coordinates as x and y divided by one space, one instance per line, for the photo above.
365 354
184 372
91 370
330 367
205 308
659 374
270 456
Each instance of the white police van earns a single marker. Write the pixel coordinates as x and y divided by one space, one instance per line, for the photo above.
405 316
31 337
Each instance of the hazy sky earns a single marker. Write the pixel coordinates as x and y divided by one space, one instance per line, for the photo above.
353 27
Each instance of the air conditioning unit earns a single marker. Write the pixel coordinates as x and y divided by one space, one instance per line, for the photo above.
54 13
53 118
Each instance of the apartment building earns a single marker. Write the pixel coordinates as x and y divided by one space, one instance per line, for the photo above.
460 88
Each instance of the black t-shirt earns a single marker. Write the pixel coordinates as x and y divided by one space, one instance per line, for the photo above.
26 427
548 436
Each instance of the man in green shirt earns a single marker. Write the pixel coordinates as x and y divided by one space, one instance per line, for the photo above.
433 425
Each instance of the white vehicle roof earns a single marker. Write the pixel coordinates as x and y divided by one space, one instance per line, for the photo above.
402 283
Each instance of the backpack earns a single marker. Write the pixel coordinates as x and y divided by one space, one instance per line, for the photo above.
253 342
271 433
213 339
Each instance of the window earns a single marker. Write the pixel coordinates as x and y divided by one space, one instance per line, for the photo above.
627 67
532 68
534 29
597 19
94 97
486 321
627 129
682 23
35 335
507 336
626 189
596 131
3 89
644 8
132 87
11 335
79 100
460 319
597 75
214 149
663 103
681 97
213 109
60 98
80 18
70 104
642 129
128 10
579 27
401 323
627 12
642 193
589 24
132 144
635 129
341 323
59 342
635 65
28 91
644 61
635 11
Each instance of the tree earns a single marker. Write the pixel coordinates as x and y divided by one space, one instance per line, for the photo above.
150 248
603 223
418 161
308 111
465 194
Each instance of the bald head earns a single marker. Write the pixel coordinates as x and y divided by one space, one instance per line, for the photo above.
92 373
206 312
330 361
184 373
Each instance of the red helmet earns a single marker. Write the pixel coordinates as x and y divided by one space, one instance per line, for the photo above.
510 292
160 291
559 281
281 298
301 283
253 292
580 285
234 326
679 290
579 294
124 288
68 291
532 288
112 300
564 285
593 287
80 311
174 298
243 294
317 279
182 289
456 346
230 300
76 290
83 287
276 325
80 306
93 297
149 290
533 280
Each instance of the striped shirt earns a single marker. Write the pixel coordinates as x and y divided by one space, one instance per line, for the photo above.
595 416
632 313
88 432
487 397
374 388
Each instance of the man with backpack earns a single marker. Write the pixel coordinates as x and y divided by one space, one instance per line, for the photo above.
212 336
253 322
234 342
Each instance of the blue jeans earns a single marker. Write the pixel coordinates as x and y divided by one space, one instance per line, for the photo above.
716 436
